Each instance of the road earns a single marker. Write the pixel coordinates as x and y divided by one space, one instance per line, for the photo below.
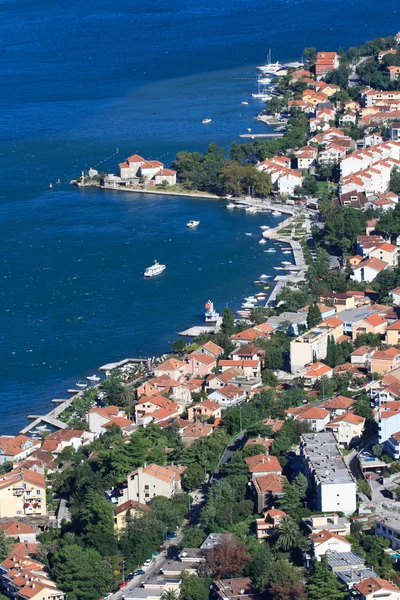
235 444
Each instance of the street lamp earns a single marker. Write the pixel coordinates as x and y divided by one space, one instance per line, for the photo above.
123 570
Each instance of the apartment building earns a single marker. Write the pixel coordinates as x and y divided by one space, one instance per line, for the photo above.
22 493
16 448
310 347
332 484
152 480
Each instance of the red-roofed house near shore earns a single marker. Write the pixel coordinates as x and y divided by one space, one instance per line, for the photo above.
153 171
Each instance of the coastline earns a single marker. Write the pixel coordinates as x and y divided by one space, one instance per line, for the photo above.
52 416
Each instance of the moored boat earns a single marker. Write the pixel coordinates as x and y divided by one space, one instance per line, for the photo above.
211 315
192 224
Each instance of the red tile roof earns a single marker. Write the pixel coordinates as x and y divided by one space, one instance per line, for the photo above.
263 464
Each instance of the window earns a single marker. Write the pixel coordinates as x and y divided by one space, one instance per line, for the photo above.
38 492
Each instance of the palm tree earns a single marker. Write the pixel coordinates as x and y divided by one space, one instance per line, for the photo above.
288 534
127 396
170 595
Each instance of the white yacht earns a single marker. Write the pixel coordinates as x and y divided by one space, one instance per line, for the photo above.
245 103
262 241
231 205
248 234
276 213
264 227
270 250
286 252
285 262
264 276
269 66
262 96
264 80
205 121
93 378
155 269
192 224
211 315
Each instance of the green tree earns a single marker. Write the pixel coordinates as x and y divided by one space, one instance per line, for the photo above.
286 582
81 573
228 322
192 477
295 494
288 534
95 520
193 537
6 545
178 346
323 584
314 316
170 595
273 358
261 567
194 587
394 183
269 378
310 54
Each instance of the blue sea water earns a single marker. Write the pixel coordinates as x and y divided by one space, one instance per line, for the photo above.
82 78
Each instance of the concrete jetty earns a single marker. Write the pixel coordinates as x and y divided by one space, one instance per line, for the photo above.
261 135
122 363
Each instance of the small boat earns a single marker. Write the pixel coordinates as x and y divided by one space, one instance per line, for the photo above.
251 299
81 384
248 234
192 224
205 121
50 186
258 282
93 378
231 205
155 269
247 305
266 287
264 80
276 213
249 129
245 103
58 181
260 295
228 196
278 268
270 250
265 276
243 313
211 315
264 227
262 241
286 262
286 252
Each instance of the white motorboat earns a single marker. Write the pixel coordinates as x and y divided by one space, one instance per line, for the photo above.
81 384
192 224
155 269
262 241
270 250
251 299
245 103
286 252
264 80
93 378
285 262
205 121
247 305
261 295
211 315
248 234
264 227
243 313
265 276
278 268
276 213
231 205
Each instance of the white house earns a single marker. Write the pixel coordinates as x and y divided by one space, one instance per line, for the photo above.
327 541
368 269
229 395
130 168
153 480
347 428
375 587
167 175
395 294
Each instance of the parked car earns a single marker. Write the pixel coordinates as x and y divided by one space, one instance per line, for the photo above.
139 572
122 584
147 562
129 577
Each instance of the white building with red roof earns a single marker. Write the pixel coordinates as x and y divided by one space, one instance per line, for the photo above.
152 480
229 395
325 541
375 587
347 428
152 171
315 417
368 270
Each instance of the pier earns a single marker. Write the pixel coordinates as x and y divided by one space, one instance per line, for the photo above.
261 135
122 363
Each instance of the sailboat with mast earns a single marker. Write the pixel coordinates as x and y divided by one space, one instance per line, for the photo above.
269 66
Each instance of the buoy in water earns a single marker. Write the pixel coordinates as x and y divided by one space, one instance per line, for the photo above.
50 186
